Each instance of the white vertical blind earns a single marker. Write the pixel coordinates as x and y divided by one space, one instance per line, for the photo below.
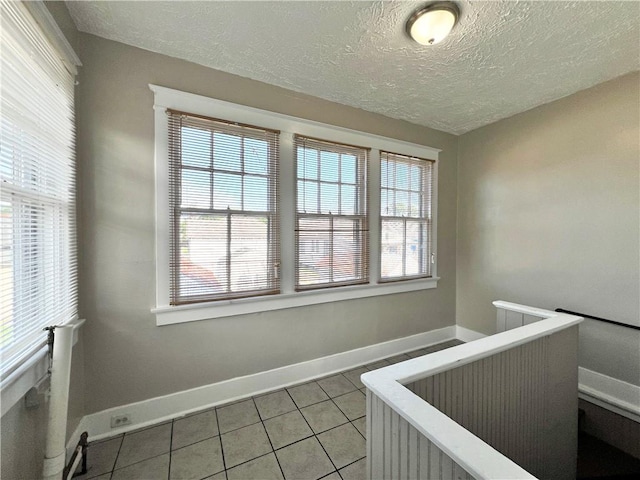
406 192
223 194
332 234
37 188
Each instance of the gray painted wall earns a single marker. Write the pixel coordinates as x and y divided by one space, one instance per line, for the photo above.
128 358
548 215
548 204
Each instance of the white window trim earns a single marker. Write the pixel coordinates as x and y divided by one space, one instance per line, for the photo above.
166 314
34 370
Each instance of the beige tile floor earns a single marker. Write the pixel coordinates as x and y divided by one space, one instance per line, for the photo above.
308 431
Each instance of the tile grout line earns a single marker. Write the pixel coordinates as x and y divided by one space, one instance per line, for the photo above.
313 433
261 421
170 449
338 406
224 463
273 450
316 434
349 421
115 462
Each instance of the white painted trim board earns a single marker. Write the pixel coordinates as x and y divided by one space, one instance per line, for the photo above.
607 392
592 387
159 409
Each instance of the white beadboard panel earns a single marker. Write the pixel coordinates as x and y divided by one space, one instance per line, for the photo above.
607 392
511 402
407 454
469 403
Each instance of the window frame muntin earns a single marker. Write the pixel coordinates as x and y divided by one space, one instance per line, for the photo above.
429 220
288 125
175 191
362 170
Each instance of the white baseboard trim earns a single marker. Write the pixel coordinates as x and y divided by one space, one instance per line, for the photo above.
620 397
467 335
73 441
159 409
607 392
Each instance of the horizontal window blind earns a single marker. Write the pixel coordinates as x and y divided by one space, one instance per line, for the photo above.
37 188
405 209
223 194
332 234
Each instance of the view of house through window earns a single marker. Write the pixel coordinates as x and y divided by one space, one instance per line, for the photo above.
223 196
405 210
229 179
331 220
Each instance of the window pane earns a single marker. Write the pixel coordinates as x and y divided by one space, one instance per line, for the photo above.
347 247
249 253
348 169
314 247
227 191
416 178
385 199
7 283
401 203
329 198
307 197
256 194
256 156
329 166
405 246
222 253
203 253
392 248
386 173
37 189
402 176
196 189
414 205
307 160
226 152
196 147
348 200
415 261
330 248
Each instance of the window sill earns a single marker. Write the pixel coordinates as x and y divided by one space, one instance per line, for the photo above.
30 374
166 315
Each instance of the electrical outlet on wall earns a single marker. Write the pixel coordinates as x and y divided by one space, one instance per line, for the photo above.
120 420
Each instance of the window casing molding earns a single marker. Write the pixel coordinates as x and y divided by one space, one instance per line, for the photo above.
224 210
408 187
166 98
45 188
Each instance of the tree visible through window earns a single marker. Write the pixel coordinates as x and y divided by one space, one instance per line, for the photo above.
331 220
224 215
405 210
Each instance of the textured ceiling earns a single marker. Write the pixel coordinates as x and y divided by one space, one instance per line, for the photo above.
503 57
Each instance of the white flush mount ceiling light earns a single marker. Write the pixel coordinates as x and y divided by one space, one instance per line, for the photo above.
431 24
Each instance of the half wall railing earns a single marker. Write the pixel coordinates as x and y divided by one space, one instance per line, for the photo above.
505 406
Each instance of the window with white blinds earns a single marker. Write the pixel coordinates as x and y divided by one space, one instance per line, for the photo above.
331 215
406 217
37 188
288 214
223 194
